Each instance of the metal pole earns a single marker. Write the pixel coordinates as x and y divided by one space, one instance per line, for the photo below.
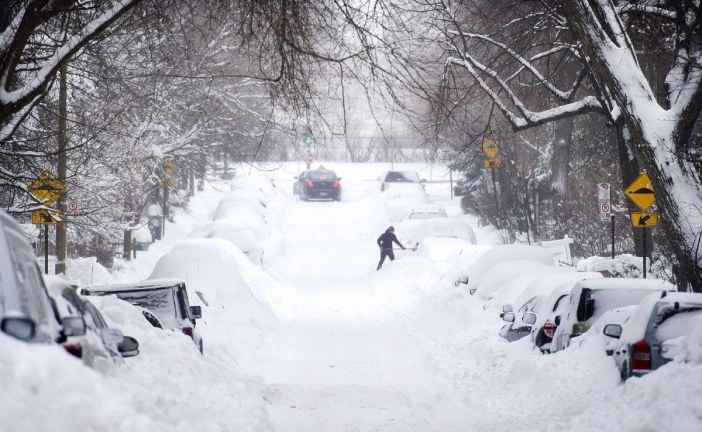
46 248
644 252
497 204
451 182
612 236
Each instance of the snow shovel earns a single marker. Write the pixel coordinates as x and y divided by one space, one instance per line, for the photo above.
413 249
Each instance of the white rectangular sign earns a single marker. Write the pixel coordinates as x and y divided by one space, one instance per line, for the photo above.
603 201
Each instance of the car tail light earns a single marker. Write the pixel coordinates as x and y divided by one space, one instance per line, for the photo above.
336 185
188 331
310 185
610 352
549 329
74 349
641 356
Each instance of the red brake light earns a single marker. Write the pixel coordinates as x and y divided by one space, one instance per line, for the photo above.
336 185
188 331
549 329
310 185
75 349
641 356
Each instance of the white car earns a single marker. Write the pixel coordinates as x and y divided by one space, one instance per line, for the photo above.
591 298
500 254
427 211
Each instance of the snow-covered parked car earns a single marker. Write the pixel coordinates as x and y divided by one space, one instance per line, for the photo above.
166 299
591 298
542 321
532 298
653 334
500 254
400 181
99 347
26 311
427 211
214 269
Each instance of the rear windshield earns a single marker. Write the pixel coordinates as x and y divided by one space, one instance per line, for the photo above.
402 176
674 323
606 299
322 175
161 303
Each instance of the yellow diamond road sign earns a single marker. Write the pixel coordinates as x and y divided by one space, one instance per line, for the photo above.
641 192
644 219
490 149
169 166
47 188
45 217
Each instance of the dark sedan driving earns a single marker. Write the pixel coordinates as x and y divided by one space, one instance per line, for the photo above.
318 184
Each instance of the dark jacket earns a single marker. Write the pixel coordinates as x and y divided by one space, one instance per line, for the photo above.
386 240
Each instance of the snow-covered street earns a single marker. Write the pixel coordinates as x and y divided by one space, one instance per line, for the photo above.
335 345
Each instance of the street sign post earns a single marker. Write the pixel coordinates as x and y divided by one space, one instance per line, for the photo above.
640 192
603 201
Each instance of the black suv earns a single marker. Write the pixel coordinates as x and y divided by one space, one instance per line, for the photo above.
165 302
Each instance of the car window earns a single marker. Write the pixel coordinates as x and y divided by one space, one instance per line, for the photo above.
183 303
559 302
674 322
401 176
95 315
606 299
322 175
160 302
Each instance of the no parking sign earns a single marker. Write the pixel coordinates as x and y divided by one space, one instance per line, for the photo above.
603 201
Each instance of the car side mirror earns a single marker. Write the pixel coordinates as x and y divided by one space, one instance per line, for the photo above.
22 328
557 320
129 347
73 326
508 316
529 318
613 330
507 308
112 336
195 312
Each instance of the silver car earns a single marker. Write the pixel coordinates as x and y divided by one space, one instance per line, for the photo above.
26 312
659 318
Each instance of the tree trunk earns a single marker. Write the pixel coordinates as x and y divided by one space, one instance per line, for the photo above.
560 163
62 227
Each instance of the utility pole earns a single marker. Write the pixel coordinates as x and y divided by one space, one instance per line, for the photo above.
62 226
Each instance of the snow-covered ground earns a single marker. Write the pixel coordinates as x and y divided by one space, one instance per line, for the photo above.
332 344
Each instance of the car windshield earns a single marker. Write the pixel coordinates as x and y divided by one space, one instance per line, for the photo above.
322 175
402 176
160 302
674 322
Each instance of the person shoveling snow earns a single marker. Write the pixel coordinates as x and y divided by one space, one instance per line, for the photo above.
385 242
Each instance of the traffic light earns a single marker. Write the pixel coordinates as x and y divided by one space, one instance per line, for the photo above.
308 140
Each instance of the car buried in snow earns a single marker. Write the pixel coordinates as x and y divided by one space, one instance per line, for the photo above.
591 298
166 299
99 346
